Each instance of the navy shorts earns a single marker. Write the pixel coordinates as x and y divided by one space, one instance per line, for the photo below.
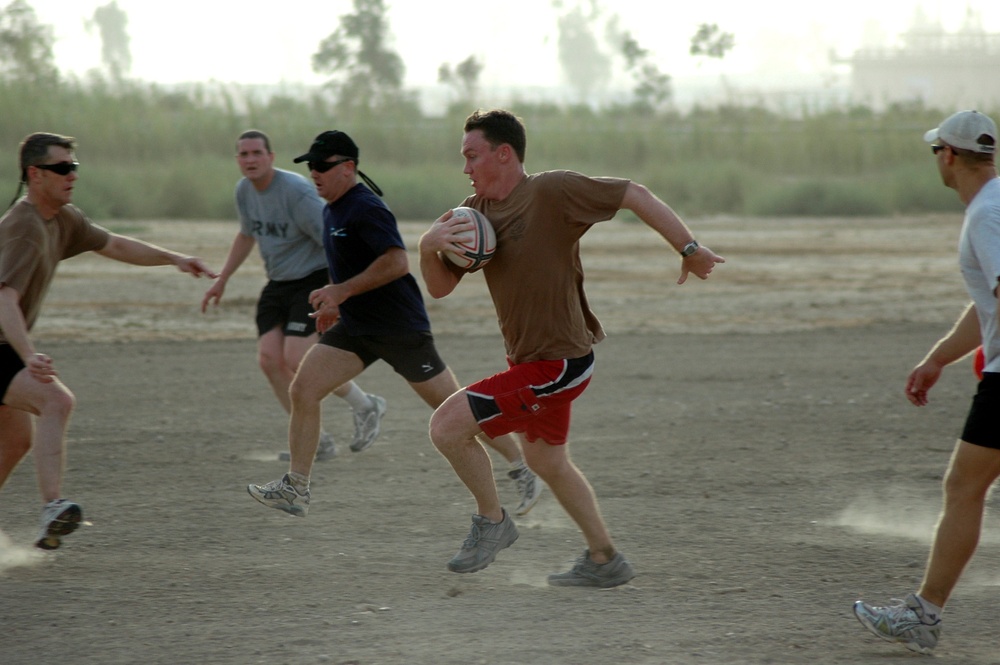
10 365
286 305
412 355
982 426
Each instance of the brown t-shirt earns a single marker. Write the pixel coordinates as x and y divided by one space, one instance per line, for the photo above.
535 277
32 247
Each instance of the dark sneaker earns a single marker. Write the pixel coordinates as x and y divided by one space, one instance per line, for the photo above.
900 621
484 541
367 424
529 488
587 573
281 494
59 518
326 449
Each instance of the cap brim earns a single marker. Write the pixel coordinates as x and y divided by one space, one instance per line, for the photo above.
302 158
932 135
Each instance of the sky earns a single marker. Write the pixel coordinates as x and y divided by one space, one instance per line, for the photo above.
199 40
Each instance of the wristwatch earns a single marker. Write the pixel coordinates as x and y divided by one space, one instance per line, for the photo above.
690 248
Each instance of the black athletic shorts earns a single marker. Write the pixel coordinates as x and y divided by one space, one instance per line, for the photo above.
286 305
10 365
982 426
412 355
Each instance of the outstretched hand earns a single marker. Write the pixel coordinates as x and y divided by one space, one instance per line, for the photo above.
195 267
701 264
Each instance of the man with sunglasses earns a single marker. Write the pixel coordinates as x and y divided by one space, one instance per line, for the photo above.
964 148
36 233
372 311
282 215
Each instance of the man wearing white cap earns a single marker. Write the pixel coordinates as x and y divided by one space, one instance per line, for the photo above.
964 147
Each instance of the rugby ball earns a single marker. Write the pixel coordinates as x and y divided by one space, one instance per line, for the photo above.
477 245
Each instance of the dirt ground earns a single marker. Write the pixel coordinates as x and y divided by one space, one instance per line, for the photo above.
747 437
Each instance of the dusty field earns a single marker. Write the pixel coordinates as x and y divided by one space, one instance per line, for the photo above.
747 437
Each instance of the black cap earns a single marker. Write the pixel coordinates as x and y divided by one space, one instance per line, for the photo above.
327 145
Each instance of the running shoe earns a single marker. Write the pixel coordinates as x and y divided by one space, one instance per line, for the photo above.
900 621
367 424
529 488
60 517
585 572
282 495
484 541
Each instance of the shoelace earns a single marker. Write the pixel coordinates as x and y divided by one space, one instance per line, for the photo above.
898 611
473 538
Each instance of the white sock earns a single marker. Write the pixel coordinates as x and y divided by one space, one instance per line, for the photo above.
358 399
518 464
932 613
298 481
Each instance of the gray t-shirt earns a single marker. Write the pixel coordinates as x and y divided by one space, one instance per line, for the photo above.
286 220
979 258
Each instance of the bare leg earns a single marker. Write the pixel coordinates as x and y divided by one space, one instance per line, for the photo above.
443 386
971 472
453 431
15 439
571 488
279 356
53 404
323 369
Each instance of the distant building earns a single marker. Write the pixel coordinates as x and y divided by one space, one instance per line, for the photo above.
942 70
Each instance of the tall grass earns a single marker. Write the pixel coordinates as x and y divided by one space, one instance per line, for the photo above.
147 152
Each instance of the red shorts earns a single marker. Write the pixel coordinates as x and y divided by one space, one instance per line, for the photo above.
533 399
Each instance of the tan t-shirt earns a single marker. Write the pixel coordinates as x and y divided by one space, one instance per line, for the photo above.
535 277
32 247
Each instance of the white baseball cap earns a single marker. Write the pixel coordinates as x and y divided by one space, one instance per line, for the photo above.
966 130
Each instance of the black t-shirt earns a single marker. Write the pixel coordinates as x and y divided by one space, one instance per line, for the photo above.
357 229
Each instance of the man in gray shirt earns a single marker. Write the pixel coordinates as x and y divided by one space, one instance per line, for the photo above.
282 214
964 148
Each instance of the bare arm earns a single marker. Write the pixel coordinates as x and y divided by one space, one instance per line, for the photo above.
141 253
661 218
961 340
238 253
15 331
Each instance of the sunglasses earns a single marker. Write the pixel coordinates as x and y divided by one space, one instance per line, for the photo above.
323 167
937 148
62 168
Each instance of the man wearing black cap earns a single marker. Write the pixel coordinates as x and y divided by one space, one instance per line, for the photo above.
964 148
372 310
281 214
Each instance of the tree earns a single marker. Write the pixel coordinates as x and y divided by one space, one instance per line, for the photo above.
652 87
586 65
711 42
26 46
112 24
368 75
464 78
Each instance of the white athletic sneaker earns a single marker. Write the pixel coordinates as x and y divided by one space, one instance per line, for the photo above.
282 495
367 424
901 621
529 488
59 518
